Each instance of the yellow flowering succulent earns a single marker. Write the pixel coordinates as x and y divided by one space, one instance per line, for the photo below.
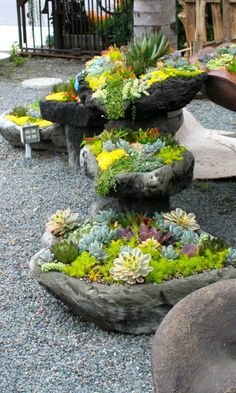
61 96
21 121
106 158
155 76
96 82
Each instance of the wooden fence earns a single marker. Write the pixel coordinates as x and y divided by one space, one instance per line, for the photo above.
201 16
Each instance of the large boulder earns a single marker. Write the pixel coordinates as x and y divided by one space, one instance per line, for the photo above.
136 309
52 137
194 349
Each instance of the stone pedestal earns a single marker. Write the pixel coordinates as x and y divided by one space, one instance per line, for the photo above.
145 192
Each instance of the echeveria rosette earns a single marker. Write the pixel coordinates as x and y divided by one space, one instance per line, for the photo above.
180 217
131 266
61 222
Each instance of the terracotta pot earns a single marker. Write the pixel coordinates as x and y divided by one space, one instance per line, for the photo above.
221 88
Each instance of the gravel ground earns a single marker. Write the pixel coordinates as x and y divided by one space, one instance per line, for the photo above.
44 347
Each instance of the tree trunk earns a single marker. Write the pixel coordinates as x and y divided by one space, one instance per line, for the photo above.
156 15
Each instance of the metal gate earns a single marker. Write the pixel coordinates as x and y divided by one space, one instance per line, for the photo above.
73 27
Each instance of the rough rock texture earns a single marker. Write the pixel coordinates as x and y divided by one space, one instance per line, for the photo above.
194 350
130 309
72 113
52 138
167 96
145 192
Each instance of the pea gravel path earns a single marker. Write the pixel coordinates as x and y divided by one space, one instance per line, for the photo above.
44 347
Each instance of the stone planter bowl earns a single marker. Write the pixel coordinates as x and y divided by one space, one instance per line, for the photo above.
52 137
136 309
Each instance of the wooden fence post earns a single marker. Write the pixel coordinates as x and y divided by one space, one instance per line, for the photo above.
226 21
200 25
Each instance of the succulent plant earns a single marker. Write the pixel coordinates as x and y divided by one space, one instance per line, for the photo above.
105 216
122 144
126 233
180 217
231 257
177 230
212 244
99 233
152 148
189 249
65 251
61 222
144 52
109 146
131 266
97 251
52 267
189 237
153 233
169 252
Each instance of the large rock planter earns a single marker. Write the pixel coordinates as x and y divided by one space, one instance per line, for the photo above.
194 349
52 137
122 308
144 192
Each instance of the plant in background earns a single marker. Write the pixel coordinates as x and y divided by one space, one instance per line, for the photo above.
144 52
15 57
65 251
131 266
231 256
62 222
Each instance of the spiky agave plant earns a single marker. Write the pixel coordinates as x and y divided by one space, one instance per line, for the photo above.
61 222
144 52
131 266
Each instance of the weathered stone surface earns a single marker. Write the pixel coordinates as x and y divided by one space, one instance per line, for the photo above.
166 122
167 96
52 137
123 308
48 240
72 113
160 183
194 350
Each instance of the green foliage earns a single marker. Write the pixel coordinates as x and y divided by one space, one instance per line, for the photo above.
144 52
169 154
15 57
184 266
19 111
65 86
96 147
212 244
118 28
82 266
114 99
65 251
52 267
232 66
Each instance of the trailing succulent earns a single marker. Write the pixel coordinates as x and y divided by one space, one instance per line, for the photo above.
132 248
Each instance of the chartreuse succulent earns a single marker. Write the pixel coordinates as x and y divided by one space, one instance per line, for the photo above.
62 222
131 266
52 267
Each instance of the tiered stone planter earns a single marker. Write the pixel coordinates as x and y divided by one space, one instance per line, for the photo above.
161 109
142 192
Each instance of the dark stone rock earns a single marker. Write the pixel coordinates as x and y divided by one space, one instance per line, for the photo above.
136 309
166 122
73 113
52 137
194 350
169 95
